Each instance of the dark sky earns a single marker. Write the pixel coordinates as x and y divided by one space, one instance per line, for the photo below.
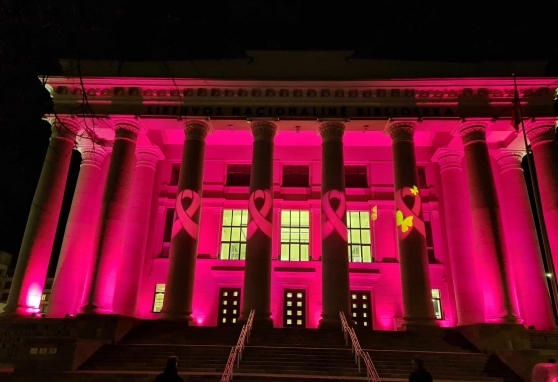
35 33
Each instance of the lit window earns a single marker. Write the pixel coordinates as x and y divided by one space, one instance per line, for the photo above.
225 293
289 303
224 320
235 294
299 312
159 297
289 322
235 302
437 301
234 311
365 323
44 297
225 302
289 295
234 320
289 312
295 235
354 314
233 238
224 311
299 303
299 322
299 295
358 227
354 305
354 296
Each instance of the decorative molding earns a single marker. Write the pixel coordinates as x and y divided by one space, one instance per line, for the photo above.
66 128
196 129
127 124
332 131
509 159
400 131
448 159
540 132
474 131
147 158
93 156
263 130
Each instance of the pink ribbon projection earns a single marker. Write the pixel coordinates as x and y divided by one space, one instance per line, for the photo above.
258 216
184 217
408 218
333 218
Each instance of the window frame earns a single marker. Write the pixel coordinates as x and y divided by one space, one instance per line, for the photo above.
290 243
438 301
243 231
360 229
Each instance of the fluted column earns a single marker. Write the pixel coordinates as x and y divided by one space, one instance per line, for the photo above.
179 290
468 296
135 238
75 254
36 247
487 226
413 257
542 137
525 256
335 259
259 250
109 236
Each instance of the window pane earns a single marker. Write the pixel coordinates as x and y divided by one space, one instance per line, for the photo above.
235 234
304 236
227 215
364 220
235 251
285 234
226 234
242 251
355 236
285 218
225 251
365 236
284 252
243 234
160 288
435 293
304 253
295 236
295 255
295 218
366 254
355 219
237 218
304 218
244 217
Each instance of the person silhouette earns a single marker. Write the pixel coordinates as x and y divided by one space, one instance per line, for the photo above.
419 373
171 372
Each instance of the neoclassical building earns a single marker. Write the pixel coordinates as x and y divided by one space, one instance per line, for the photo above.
199 198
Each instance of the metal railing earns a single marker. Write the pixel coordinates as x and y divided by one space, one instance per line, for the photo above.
348 332
236 352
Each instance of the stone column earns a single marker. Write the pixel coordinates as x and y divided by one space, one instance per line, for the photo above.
525 256
468 296
75 254
487 226
413 257
259 250
542 138
36 247
135 238
109 236
179 290
335 259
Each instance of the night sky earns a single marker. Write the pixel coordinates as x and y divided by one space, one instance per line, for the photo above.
35 33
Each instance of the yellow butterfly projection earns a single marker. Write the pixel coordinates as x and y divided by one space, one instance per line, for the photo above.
405 223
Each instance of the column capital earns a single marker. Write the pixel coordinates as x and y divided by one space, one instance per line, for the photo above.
196 129
541 132
66 128
509 159
127 129
332 131
400 131
147 158
263 130
474 131
448 159
93 156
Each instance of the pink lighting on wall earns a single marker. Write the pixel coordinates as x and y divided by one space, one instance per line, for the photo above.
258 216
33 298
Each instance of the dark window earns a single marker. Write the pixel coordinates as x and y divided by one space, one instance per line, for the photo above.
4 297
422 177
238 175
168 225
48 285
7 285
175 174
229 306
296 176
294 309
356 177
361 309
429 242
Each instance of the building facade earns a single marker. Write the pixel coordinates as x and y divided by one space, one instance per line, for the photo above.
397 202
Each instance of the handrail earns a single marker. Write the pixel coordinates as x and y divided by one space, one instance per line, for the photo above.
236 351
348 332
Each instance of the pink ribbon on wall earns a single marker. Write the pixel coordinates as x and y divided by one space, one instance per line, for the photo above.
184 217
409 214
333 218
259 220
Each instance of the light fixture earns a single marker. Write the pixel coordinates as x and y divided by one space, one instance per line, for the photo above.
549 275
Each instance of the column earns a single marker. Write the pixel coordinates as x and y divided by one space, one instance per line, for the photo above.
109 235
335 260
411 234
525 256
259 251
542 137
179 290
36 247
135 238
75 253
468 297
487 226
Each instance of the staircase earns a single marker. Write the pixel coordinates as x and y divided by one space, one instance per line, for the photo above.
283 355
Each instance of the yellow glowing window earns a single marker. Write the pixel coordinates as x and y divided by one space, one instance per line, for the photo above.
233 235
354 296
289 312
299 322
295 235
234 311
299 313
289 295
354 305
358 234
235 293
236 302
159 297
225 293
289 322
234 320
224 320
224 311
299 295
224 302
437 302
289 303
299 303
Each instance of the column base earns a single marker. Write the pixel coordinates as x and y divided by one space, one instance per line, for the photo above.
413 323
94 309
508 319
260 321
186 319
19 311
